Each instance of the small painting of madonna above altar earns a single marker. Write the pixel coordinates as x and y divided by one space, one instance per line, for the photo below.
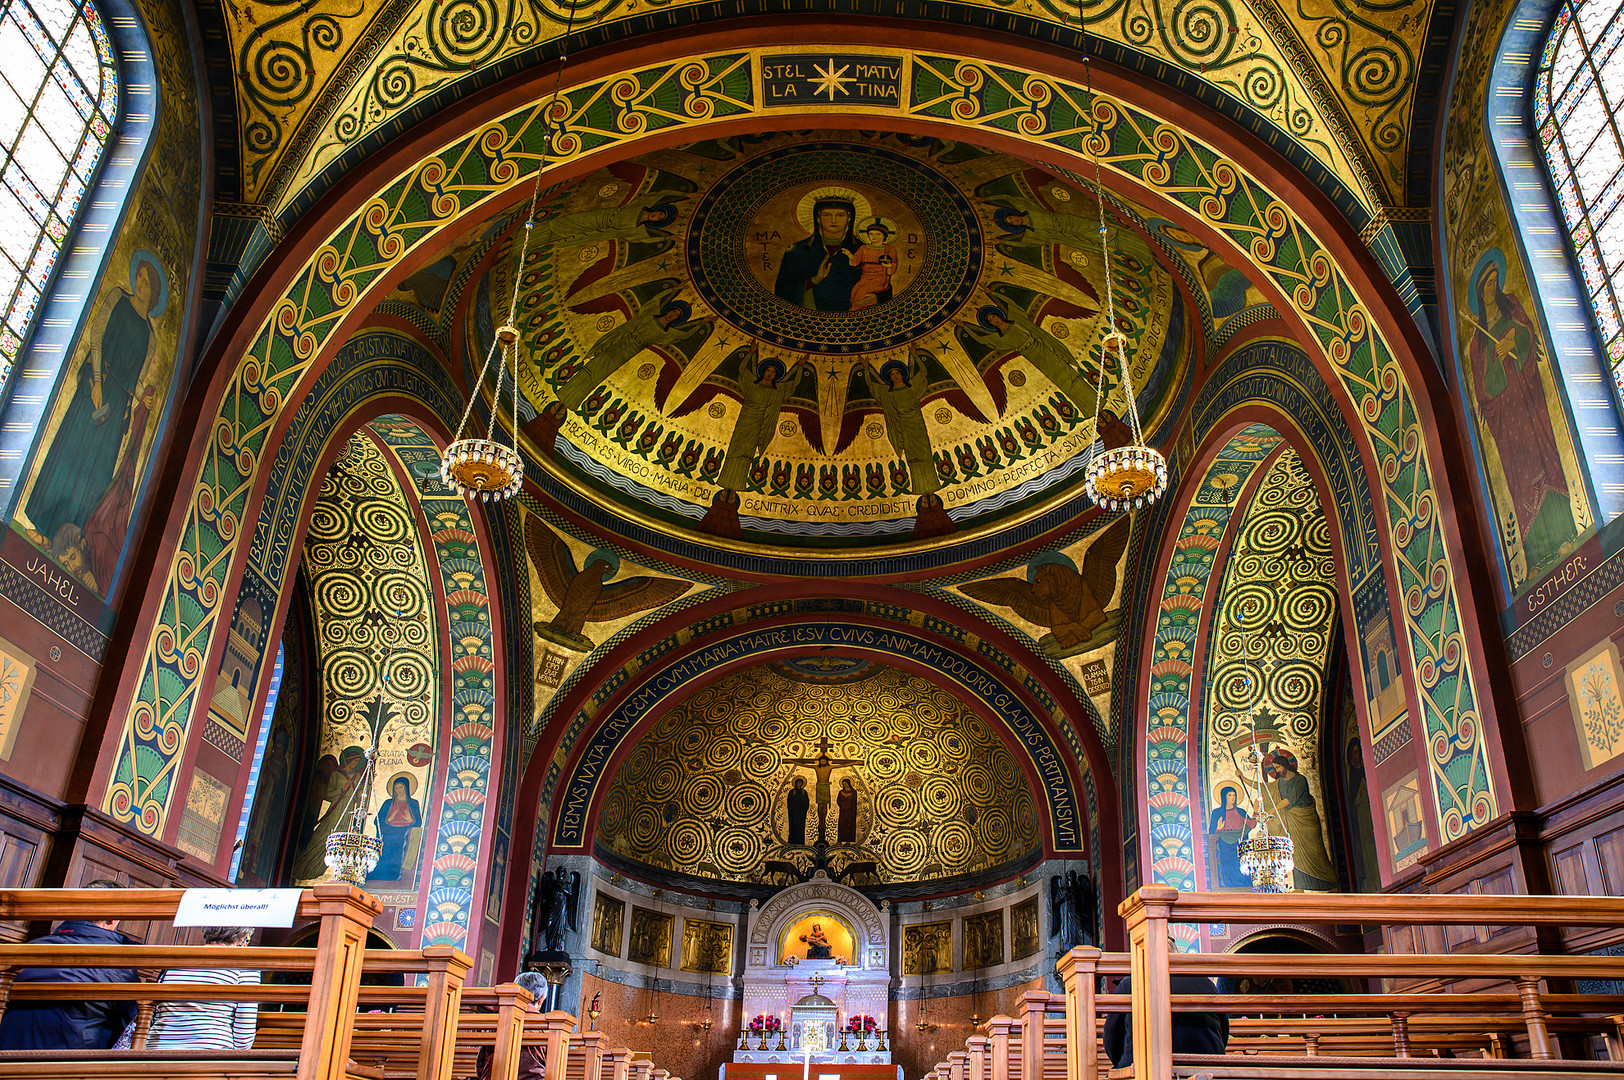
816 979
818 936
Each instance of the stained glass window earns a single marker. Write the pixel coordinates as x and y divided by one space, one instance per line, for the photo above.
1577 96
58 101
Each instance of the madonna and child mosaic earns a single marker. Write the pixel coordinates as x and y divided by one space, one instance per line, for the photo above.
809 338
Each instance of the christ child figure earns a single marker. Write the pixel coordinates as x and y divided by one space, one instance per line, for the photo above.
876 260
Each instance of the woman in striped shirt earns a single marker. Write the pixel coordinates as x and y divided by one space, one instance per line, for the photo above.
208 1025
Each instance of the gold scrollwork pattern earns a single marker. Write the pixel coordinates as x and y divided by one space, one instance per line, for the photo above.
1141 148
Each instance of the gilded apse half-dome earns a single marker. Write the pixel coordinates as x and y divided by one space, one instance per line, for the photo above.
738 782
828 340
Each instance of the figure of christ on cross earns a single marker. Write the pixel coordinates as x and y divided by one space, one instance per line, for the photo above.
821 767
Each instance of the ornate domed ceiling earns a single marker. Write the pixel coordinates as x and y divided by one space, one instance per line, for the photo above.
912 786
830 339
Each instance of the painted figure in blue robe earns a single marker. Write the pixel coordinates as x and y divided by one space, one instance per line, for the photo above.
396 820
818 272
84 454
1227 827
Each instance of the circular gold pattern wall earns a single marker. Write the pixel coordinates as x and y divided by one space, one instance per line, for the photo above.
707 792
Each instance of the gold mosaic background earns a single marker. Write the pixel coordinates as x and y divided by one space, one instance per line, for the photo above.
704 791
314 79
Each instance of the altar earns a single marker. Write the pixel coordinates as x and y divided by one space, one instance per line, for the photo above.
816 986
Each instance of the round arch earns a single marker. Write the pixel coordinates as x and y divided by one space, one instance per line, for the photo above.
1207 174
1066 764
1265 385
380 373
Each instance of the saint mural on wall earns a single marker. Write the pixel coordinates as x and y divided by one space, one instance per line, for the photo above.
707 946
847 257
1295 809
927 949
1514 395
83 492
400 830
1227 826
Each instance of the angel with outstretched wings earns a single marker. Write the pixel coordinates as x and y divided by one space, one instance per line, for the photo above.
764 386
587 595
1055 594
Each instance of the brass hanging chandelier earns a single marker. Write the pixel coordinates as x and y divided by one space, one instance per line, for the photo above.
487 469
1122 477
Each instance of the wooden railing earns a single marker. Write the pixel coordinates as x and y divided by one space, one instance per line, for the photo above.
431 1030
1058 1037
1148 913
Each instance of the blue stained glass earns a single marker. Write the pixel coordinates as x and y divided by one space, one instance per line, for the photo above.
1607 319
59 62
1579 90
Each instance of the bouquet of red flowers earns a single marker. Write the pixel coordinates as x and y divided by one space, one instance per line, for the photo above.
766 1022
861 1022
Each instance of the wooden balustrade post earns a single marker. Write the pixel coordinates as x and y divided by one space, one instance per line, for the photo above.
1145 914
999 1031
1034 1006
513 1005
1401 1034
447 969
345 914
976 1047
1539 1040
641 1067
556 1029
1078 970
958 1065
617 1064
591 1053
144 1011
1310 1044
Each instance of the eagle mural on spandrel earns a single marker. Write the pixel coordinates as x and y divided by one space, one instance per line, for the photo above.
586 594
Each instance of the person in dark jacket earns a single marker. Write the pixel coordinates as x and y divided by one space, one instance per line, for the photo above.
1193 1033
71 1025
532 1059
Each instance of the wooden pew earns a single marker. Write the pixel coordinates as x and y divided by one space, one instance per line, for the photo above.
617 1063
1148 913
344 915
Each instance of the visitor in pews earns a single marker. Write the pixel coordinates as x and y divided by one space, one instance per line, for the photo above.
1193 1033
532 1059
71 1025
208 1025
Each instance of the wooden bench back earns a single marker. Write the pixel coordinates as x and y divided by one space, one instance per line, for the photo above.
343 913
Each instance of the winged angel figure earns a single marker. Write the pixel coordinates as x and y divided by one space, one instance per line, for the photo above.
587 595
1055 594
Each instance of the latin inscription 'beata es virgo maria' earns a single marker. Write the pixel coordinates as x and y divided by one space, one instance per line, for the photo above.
825 79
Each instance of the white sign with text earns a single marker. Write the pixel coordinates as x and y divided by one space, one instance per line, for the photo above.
237 907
